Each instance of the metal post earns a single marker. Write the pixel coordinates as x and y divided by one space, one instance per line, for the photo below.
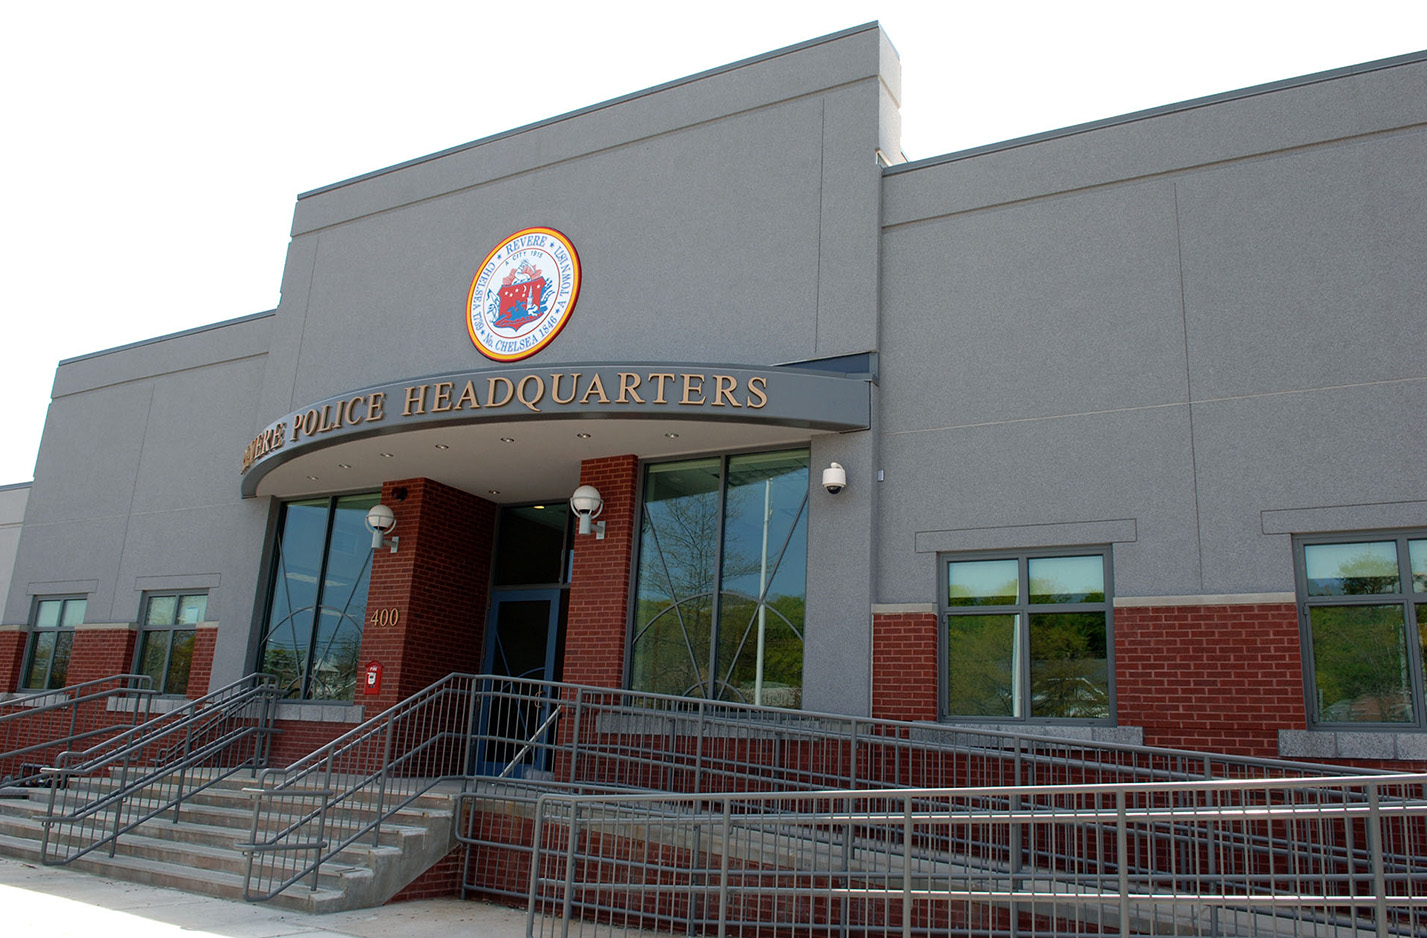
907 866
468 767
1379 878
1122 849
723 871
695 893
573 749
568 903
322 820
699 750
537 838
381 781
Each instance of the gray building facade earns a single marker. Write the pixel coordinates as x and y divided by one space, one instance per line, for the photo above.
1125 413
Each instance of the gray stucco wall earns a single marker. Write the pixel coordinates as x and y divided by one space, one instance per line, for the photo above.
12 515
1190 336
135 482
729 217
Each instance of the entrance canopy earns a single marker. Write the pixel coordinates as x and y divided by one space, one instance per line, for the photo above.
516 434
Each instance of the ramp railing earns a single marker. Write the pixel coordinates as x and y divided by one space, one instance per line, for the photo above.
101 793
1267 857
523 737
613 740
36 727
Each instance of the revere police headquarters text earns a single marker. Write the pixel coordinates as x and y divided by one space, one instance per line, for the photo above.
531 391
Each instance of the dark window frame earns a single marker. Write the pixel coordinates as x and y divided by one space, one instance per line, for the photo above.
59 630
147 630
306 682
1405 596
724 457
1024 609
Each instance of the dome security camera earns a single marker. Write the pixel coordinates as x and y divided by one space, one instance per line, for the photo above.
834 478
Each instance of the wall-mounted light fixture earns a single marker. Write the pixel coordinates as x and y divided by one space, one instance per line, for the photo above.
587 506
381 521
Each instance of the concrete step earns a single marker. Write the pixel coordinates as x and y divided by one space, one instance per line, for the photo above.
201 848
176 875
199 854
239 793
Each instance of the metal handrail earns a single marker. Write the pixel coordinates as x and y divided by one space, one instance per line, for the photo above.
495 728
151 769
1267 857
344 792
40 725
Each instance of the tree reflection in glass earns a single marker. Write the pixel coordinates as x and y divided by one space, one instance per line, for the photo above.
721 587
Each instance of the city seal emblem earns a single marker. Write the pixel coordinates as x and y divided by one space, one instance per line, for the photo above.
523 294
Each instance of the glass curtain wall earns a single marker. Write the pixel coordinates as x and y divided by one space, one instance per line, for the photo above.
722 581
322 569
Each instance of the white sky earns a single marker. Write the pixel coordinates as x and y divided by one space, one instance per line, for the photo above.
152 152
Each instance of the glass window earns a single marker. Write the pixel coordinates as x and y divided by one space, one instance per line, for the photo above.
722 581
1362 603
1027 637
312 635
52 625
165 651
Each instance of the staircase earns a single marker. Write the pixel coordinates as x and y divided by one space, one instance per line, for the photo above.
199 852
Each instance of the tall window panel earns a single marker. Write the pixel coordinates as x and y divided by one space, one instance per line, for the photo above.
1363 606
722 581
312 636
1027 637
52 623
170 627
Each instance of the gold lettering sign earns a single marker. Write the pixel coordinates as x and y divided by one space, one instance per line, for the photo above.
537 393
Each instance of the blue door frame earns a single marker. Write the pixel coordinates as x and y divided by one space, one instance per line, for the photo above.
522 632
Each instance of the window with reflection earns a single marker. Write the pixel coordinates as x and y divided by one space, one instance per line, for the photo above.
52 623
170 627
1364 620
1027 637
722 580
312 636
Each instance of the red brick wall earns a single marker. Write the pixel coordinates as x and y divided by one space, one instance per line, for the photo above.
442 881
596 634
100 653
1221 678
437 582
200 673
904 666
12 657
297 738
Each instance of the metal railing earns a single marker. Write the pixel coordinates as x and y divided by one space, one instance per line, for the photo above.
1305 857
37 727
308 813
611 740
519 737
101 793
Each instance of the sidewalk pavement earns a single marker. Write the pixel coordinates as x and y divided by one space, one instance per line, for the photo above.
40 900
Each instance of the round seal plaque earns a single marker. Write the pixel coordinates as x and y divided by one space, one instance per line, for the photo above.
523 294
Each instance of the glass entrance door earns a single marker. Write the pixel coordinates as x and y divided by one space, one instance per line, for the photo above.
521 639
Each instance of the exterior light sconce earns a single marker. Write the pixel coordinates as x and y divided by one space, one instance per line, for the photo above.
587 506
381 521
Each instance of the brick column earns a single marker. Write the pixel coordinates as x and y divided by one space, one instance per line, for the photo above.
596 631
436 584
904 665
200 673
12 655
101 649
